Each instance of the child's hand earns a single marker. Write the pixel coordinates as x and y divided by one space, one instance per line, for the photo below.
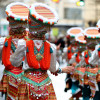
74 64
67 69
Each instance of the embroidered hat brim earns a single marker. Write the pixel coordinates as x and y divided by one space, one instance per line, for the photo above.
92 36
92 32
81 39
43 14
74 31
18 11
81 42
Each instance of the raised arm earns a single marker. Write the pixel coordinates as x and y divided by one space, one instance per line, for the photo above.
73 59
82 62
53 64
94 59
17 57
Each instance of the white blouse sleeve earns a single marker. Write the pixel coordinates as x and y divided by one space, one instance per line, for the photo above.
53 64
17 57
25 64
73 59
82 62
94 59
64 54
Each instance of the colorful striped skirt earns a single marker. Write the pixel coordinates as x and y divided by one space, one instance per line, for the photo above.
36 85
11 81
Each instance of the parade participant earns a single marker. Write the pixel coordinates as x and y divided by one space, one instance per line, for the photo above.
17 15
71 34
90 85
40 55
79 70
95 61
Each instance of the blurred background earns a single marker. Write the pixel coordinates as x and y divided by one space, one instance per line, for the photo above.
72 13
83 13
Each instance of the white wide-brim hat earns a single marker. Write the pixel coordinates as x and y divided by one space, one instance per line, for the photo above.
41 16
17 14
73 32
81 42
92 36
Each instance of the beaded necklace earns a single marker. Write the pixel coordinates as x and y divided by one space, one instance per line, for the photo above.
36 59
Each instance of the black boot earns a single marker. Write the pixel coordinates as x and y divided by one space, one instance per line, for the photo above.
97 95
69 82
86 92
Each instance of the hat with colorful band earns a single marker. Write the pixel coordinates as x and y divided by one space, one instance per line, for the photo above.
73 32
81 42
41 17
17 13
44 14
92 36
81 39
92 33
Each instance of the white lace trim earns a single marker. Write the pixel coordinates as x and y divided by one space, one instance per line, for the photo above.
38 41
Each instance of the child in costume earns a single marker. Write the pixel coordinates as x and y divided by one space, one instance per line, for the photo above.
90 85
17 15
79 70
40 55
71 34
95 61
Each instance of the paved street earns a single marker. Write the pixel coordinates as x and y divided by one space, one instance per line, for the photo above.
59 85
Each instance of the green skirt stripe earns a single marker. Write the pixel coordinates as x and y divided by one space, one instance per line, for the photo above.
35 83
14 75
